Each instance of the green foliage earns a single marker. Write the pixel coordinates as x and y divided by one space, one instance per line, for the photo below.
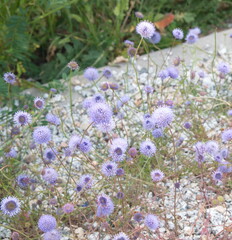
39 37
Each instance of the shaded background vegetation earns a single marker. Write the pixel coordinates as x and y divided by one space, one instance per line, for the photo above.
39 37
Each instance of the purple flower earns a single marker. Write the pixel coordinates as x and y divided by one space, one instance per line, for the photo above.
217 156
106 126
200 148
151 221
155 38
178 33
187 125
195 30
131 51
68 208
157 175
73 65
132 152
225 153
47 223
52 235
227 135
91 73
163 116
9 78
79 187
114 86
121 236
42 135
11 154
53 90
87 103
223 67
148 124
39 103
201 74
225 167
211 147
145 29
53 119
104 86
77 142
86 181
120 195
23 181
68 152
109 169
179 141
163 74
147 148
10 206
123 100
105 206
157 133
120 172
229 112
129 43
139 15
217 176
22 118
98 98
49 155
191 38
148 89
100 113
107 73
173 72
138 217
49 175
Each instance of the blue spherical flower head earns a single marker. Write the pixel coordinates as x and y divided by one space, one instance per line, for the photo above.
145 29
79 187
227 135
151 221
157 133
120 195
109 169
162 117
163 74
148 124
200 148
22 118
173 72
106 126
104 86
68 208
195 30
98 98
113 86
223 67
100 113
122 101
107 73
91 73
224 153
87 103
50 175
11 154
225 167
105 206
86 181
129 43
138 217
42 135
52 235
49 155
147 148
85 145
133 152
120 172
217 156
39 103
178 33
53 119
47 223
155 38
121 236
10 206
148 89
139 15
217 176
157 175
191 38
23 181
211 147
131 51
117 149
187 125
9 78
229 112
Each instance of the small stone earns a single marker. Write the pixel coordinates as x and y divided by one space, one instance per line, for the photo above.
80 233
